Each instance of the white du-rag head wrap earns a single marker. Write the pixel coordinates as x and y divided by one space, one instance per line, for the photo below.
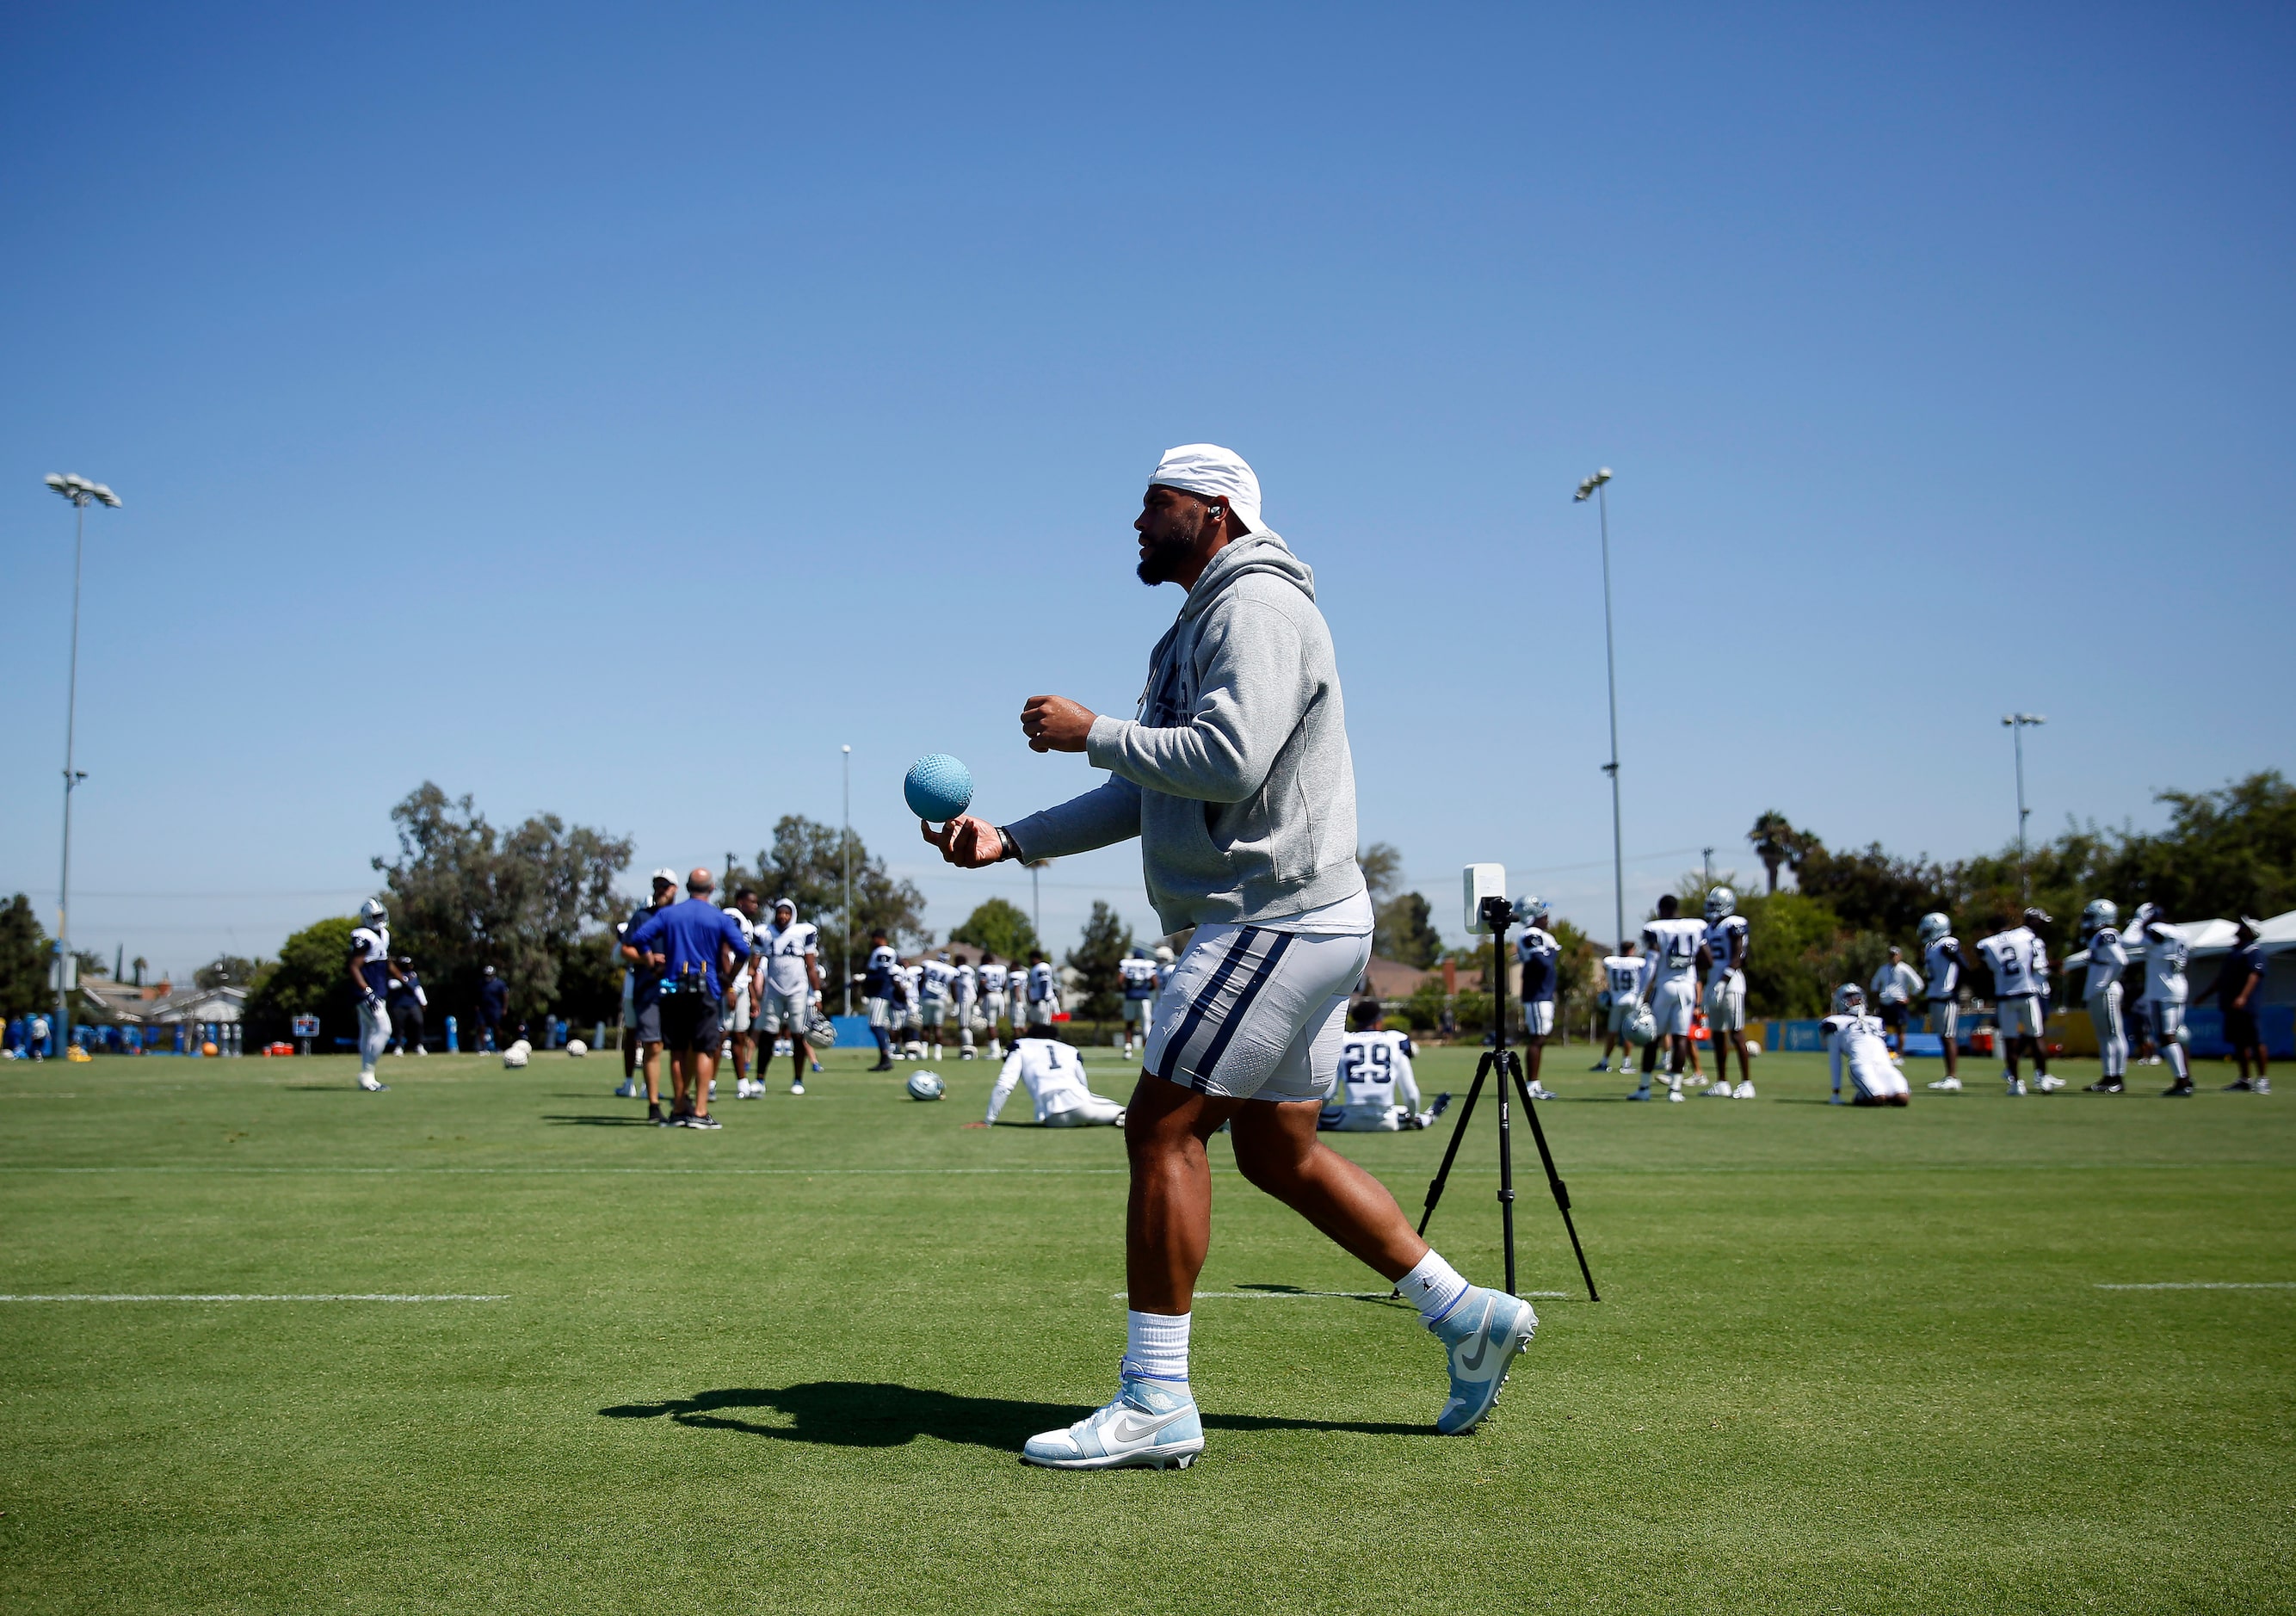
1207 469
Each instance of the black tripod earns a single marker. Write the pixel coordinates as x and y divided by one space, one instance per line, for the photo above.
1497 912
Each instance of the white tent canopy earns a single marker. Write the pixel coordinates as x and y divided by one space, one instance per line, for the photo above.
2209 938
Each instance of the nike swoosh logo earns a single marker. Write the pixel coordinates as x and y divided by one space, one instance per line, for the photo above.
1129 1427
1482 1351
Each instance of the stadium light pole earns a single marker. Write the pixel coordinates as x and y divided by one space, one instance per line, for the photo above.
2017 723
847 929
1594 486
82 493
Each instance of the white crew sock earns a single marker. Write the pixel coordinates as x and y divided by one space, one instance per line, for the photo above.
1434 1287
1157 1345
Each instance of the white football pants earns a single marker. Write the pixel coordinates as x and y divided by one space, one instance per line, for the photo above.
1091 1112
374 1036
2111 1038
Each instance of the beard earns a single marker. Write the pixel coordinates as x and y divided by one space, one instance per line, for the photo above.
1169 552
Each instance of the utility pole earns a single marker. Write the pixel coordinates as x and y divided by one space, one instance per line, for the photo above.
2017 723
82 493
846 847
1596 486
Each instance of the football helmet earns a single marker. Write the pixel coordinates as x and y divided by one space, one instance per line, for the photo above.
925 1085
1849 999
1164 955
1934 926
1642 1026
1530 909
2097 915
1721 903
2035 919
372 912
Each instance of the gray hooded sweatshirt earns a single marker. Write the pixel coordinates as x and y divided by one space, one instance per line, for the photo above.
1236 775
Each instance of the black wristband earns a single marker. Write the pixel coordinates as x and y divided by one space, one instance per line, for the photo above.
1006 848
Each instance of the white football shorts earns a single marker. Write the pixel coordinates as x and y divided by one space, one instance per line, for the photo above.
792 1010
880 1012
2019 1017
1257 1014
733 1015
2164 1019
1620 1009
933 1010
1725 1002
1538 1018
992 1005
1673 1003
1945 1019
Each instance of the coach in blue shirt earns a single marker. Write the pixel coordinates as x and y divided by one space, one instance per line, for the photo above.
689 943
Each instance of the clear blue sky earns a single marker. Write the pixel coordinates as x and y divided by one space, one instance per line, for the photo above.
615 411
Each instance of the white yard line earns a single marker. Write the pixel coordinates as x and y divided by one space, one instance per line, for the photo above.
647 1172
2208 1284
1297 1295
224 1297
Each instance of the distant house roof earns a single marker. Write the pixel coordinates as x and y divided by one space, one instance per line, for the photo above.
197 1004
1391 979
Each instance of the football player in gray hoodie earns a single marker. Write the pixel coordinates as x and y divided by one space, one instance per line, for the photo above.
1236 778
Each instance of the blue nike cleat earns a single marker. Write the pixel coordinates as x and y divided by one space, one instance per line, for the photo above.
1151 1423
1482 1332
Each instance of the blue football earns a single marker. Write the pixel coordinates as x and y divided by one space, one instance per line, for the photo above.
938 788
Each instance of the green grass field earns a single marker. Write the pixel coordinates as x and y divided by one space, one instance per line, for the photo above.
1844 1361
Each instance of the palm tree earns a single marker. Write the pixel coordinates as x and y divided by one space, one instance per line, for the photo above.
1776 842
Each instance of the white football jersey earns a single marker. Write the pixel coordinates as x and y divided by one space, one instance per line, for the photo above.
1139 978
2108 957
2165 956
1671 950
1374 1072
992 978
784 951
2017 960
937 975
1044 987
1855 1042
1943 958
371 947
967 985
1052 1071
1725 942
912 979
1624 974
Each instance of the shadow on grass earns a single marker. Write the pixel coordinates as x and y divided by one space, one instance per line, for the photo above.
597 1122
856 1413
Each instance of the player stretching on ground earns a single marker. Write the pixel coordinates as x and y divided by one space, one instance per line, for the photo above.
1374 1090
2019 959
994 979
1854 1039
1671 946
877 991
788 974
372 974
937 977
1054 1074
1141 981
1622 978
1725 992
1536 951
2108 960
1237 780
1942 988
2165 958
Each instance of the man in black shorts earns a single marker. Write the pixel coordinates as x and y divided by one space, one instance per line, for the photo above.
2238 983
687 942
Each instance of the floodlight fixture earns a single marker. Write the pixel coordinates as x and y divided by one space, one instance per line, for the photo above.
2017 724
82 493
1588 488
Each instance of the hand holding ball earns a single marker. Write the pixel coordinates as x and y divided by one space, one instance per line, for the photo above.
938 788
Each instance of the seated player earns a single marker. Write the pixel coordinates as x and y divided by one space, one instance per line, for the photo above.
1374 1091
1054 1074
1141 981
1854 1039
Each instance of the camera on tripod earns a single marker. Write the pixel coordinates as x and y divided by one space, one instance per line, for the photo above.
1488 907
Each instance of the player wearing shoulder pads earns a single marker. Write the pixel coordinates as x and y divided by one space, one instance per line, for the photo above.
1043 989
741 996
2165 991
2019 961
910 1036
371 974
1622 977
877 990
939 977
1941 988
1671 945
1853 1041
1725 944
995 981
788 974
2108 961
964 1000
1054 1074
1141 981
1537 954
1374 1090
